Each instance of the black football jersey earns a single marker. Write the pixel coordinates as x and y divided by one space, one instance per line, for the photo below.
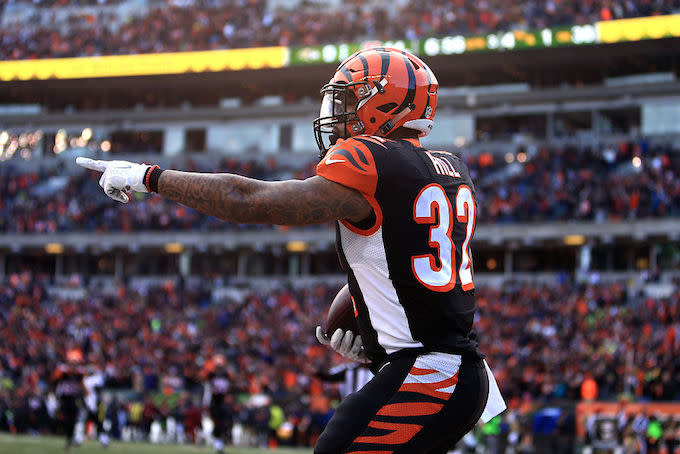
69 387
409 266
218 384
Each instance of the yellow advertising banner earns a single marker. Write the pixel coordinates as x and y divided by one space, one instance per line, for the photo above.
144 64
653 27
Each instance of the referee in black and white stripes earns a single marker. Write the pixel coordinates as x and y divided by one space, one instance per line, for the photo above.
352 377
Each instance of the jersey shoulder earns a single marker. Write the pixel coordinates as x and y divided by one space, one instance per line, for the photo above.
352 162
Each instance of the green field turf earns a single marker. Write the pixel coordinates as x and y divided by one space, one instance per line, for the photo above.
22 444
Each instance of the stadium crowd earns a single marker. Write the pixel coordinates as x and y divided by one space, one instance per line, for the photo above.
174 25
53 200
153 344
546 184
624 182
158 340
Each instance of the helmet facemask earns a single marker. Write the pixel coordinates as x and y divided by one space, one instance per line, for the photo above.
338 117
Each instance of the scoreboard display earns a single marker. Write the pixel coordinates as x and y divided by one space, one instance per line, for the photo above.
605 32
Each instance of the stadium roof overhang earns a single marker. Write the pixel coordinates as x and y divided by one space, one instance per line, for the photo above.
538 67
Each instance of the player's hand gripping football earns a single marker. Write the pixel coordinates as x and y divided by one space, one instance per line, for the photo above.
118 177
345 343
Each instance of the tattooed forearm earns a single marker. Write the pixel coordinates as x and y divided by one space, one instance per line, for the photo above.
248 201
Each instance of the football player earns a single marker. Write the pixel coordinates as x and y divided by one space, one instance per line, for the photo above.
405 218
70 391
215 390
93 382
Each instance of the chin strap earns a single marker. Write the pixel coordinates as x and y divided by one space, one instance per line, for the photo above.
386 127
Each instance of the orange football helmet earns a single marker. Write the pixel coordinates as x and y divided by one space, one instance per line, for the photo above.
375 91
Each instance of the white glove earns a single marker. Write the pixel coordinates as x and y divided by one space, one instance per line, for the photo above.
118 177
345 343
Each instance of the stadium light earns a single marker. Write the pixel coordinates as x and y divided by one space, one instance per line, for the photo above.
297 246
174 248
642 263
54 248
574 240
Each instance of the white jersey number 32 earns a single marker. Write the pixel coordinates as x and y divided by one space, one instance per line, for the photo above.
438 275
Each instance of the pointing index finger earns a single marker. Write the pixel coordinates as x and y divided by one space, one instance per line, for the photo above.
91 164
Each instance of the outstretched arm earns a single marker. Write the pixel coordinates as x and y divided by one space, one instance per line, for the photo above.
244 200
234 198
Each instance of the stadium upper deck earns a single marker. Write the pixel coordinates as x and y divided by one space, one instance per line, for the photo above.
131 27
465 42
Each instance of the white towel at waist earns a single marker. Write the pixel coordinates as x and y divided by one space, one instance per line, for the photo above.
495 404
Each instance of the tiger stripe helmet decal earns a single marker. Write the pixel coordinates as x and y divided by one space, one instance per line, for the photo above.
391 88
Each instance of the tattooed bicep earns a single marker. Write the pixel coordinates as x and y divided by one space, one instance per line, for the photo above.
326 201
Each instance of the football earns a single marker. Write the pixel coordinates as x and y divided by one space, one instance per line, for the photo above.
341 314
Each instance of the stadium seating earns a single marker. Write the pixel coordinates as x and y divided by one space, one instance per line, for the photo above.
87 28
545 154
154 341
549 184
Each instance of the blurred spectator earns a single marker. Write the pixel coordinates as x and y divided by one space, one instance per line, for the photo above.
589 388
